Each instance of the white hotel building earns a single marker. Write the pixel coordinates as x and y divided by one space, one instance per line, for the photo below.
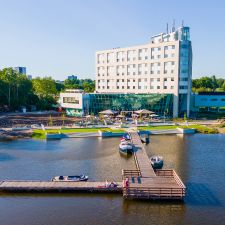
162 66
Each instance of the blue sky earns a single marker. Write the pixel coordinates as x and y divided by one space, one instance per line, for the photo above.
60 37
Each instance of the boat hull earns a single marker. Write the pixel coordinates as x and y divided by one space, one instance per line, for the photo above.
157 165
126 151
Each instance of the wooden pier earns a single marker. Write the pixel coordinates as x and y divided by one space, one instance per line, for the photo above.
145 183
61 186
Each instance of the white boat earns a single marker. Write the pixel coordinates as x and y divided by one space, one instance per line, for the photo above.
126 147
156 162
71 178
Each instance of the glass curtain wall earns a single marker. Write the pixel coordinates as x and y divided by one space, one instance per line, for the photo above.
159 103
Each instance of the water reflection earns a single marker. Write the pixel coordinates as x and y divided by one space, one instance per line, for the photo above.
198 159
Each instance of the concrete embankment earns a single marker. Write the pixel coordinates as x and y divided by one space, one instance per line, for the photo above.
11 135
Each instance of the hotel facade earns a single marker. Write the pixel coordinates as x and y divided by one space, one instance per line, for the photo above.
155 76
162 66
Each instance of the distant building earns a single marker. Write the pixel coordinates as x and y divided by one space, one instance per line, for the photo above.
72 77
29 77
20 69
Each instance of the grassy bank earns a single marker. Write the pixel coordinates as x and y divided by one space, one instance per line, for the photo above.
166 127
199 128
202 129
40 134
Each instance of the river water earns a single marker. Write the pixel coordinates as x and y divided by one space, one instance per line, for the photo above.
198 159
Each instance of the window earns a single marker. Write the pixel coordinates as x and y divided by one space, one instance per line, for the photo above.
145 79
152 79
133 73
165 87
183 87
159 48
166 47
172 87
70 100
165 71
122 87
133 87
122 80
158 71
146 57
165 79
128 87
172 78
151 87
223 99
158 87
158 64
214 99
158 79
165 56
133 80
117 87
173 46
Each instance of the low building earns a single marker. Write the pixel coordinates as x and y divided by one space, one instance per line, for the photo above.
78 103
72 100
208 102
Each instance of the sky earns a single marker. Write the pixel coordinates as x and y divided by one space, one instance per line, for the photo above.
60 37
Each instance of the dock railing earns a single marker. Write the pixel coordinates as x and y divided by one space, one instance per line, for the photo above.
130 173
170 173
153 193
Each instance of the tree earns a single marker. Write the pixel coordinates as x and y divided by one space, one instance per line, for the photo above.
15 88
45 89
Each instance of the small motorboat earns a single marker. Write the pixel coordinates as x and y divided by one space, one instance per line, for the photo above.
126 147
126 137
71 178
156 162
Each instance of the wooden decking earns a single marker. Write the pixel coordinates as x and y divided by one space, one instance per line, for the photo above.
145 183
51 186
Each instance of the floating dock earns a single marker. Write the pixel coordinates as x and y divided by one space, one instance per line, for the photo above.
59 186
145 183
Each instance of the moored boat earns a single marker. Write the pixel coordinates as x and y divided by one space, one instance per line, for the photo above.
126 147
75 178
156 162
